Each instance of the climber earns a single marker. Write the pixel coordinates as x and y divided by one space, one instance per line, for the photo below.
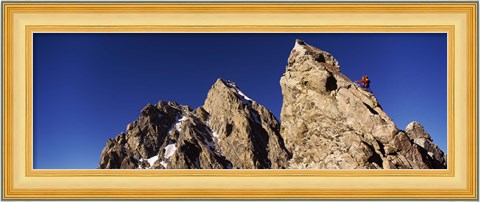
365 83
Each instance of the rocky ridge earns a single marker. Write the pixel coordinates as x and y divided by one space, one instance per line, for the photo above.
229 131
328 122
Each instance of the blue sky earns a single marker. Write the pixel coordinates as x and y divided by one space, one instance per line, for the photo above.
88 87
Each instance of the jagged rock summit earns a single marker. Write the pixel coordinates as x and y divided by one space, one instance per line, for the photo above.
246 132
166 135
328 122
229 131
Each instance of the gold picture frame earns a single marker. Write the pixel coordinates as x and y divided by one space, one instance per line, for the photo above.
22 19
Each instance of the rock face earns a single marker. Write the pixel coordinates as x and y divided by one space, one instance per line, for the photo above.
246 132
328 122
229 131
166 135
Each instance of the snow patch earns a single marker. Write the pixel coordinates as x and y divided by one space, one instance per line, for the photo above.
245 99
152 160
243 95
179 122
170 150
215 134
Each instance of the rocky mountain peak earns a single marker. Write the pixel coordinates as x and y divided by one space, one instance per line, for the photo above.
328 122
307 51
242 124
415 130
225 89
229 131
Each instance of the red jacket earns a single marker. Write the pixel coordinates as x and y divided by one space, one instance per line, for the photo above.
365 81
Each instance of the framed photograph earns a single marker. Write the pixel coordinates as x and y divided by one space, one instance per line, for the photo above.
291 100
